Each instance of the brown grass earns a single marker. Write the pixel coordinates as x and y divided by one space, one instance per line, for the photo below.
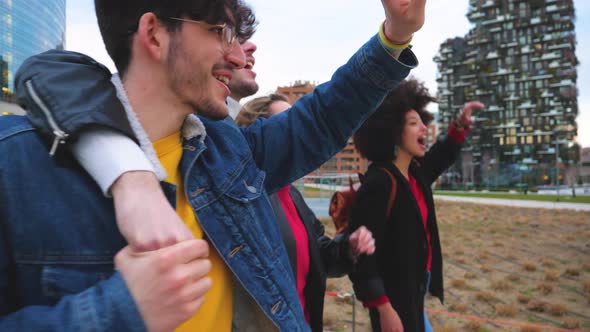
547 263
483 255
529 266
329 321
513 277
571 323
530 329
569 238
459 307
458 283
572 272
545 288
552 275
510 257
501 285
439 328
497 244
506 310
557 309
536 306
485 297
521 298
473 325
468 243
486 268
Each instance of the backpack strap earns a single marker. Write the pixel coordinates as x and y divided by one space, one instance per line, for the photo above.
393 191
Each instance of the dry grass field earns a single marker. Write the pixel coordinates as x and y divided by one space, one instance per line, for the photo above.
506 269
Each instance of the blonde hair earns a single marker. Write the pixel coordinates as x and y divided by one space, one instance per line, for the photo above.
257 107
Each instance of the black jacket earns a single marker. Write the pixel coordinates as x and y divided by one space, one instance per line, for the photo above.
328 257
398 267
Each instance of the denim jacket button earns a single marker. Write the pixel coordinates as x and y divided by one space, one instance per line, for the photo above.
251 188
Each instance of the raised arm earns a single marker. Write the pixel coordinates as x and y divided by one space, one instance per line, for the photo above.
289 145
446 151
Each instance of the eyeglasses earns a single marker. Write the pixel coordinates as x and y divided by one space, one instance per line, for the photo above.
226 32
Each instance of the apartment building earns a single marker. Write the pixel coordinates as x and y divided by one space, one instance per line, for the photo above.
519 59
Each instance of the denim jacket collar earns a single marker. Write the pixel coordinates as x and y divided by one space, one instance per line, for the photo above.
192 128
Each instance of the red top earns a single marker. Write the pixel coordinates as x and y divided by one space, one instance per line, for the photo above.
301 243
419 196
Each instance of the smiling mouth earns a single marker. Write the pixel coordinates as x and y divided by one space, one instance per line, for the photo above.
249 65
223 79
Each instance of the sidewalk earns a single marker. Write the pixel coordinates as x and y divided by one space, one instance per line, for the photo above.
515 202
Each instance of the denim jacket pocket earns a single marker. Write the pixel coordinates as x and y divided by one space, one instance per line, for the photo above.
59 281
248 186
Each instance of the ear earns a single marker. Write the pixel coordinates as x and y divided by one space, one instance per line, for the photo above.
153 37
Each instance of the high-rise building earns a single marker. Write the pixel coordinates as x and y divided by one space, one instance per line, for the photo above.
519 59
27 28
346 161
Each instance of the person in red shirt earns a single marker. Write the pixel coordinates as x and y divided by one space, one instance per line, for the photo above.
312 254
407 262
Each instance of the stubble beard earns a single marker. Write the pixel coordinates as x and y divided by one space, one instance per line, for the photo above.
243 88
189 83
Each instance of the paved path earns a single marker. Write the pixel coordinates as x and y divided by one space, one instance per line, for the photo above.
516 202
320 205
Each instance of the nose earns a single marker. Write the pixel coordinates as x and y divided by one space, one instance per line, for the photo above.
236 56
249 47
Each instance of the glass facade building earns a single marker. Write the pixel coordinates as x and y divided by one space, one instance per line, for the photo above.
27 27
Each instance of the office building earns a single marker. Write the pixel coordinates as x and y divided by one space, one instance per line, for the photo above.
27 27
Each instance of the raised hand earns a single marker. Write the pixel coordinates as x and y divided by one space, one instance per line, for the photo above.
168 285
144 217
361 242
464 119
403 18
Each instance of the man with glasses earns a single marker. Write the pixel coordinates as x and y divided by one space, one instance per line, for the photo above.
58 237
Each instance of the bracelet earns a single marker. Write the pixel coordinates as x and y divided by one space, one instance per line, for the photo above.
388 43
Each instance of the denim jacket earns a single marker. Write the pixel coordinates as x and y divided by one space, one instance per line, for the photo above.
57 247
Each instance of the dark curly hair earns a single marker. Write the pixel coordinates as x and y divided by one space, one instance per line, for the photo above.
118 20
377 137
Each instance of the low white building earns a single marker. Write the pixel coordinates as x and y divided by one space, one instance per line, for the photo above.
9 108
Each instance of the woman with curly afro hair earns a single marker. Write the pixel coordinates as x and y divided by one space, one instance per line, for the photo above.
395 203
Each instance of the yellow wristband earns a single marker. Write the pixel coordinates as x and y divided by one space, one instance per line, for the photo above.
390 45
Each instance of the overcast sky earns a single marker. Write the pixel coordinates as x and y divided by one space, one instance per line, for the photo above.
309 39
